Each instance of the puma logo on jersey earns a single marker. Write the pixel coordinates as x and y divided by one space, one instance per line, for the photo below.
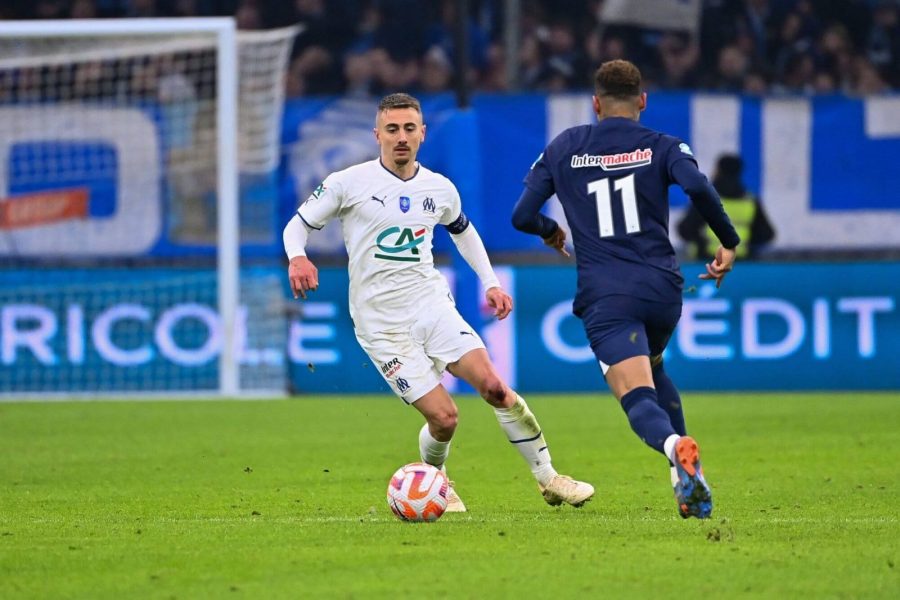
377 199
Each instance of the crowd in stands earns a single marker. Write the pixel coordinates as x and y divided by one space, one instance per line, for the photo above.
372 46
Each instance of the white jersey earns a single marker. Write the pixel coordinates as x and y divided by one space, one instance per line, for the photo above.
388 226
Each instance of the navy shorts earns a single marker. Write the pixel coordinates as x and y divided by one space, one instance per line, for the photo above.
620 327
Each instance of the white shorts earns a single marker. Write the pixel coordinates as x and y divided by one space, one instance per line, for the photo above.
412 361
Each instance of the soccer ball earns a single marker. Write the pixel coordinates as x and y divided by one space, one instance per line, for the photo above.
418 492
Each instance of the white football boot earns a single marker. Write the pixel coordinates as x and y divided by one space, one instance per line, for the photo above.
563 488
454 502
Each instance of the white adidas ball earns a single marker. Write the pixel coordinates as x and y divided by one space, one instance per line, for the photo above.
418 492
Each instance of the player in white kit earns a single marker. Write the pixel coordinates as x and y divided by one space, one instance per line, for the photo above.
403 312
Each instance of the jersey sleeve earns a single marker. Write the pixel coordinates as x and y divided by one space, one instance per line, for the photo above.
540 177
706 200
323 204
453 208
678 151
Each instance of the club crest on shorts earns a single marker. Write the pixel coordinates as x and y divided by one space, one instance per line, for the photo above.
404 203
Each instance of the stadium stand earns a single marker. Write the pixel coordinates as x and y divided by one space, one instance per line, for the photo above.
361 47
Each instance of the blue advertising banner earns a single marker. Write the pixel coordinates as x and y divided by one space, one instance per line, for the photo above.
157 330
822 166
770 327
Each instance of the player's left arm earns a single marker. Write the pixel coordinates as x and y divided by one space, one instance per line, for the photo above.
472 249
706 200
703 195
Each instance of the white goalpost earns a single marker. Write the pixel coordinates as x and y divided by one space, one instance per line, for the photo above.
125 146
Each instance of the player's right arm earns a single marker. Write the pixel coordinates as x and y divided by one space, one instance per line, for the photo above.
302 273
321 206
526 215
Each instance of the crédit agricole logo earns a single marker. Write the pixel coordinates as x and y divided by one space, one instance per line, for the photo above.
400 244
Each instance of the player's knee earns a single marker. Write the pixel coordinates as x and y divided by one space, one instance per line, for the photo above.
493 390
445 422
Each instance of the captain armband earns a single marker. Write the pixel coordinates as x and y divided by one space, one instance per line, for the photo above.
459 225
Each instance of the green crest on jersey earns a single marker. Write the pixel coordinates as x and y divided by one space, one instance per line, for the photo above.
400 244
317 192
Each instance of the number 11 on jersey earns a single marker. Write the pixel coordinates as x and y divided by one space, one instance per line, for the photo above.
601 190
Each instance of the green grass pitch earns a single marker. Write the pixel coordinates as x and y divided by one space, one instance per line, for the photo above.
286 499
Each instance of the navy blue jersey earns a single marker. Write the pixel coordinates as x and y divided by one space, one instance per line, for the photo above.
612 179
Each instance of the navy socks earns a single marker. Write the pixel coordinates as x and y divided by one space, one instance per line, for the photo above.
648 420
668 399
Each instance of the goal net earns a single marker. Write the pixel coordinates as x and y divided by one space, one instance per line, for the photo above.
136 158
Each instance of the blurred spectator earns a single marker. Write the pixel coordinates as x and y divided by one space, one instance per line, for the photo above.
436 72
601 48
358 74
142 8
442 35
50 9
796 36
746 212
83 9
327 29
866 79
755 84
248 16
93 81
798 75
401 28
883 42
530 61
732 67
553 59
494 77
756 21
678 56
390 74
824 83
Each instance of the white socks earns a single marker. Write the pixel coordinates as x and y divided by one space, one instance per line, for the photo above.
523 430
669 449
432 451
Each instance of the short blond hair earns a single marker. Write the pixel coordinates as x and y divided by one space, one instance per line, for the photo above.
399 100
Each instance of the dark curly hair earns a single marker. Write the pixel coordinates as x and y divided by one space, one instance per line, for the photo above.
619 79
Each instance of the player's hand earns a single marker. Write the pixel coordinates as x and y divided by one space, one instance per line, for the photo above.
557 241
303 275
720 266
500 301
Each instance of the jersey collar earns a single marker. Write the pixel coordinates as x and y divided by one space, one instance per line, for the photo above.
397 176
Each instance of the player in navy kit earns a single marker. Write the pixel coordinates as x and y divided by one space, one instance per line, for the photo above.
612 181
